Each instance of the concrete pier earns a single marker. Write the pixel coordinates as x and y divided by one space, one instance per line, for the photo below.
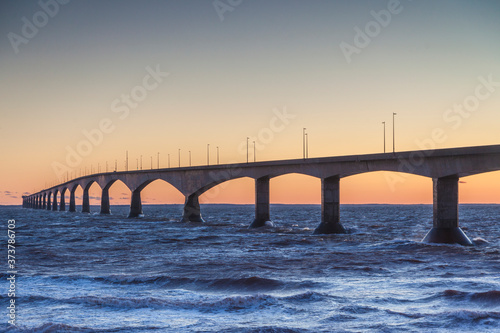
445 227
192 212
330 207
62 205
54 202
105 209
261 203
72 203
44 201
136 204
49 203
86 200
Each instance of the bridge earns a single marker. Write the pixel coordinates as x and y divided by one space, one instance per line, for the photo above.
444 166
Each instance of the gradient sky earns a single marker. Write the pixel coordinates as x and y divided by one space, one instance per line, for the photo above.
228 77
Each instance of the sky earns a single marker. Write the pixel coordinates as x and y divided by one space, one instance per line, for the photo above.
84 82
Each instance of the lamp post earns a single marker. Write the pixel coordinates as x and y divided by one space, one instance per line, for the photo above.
393 134
254 155
179 157
304 143
190 158
168 160
158 161
384 135
141 162
208 154
307 145
247 147
217 155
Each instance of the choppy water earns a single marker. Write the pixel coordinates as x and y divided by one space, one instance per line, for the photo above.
86 273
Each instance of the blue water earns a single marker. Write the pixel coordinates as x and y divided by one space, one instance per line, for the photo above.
91 273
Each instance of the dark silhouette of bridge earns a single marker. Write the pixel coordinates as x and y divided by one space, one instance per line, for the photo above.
444 166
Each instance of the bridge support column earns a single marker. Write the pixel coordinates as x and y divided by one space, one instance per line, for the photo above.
54 203
445 222
49 202
192 211
72 203
330 207
135 204
261 203
62 205
105 202
44 202
86 201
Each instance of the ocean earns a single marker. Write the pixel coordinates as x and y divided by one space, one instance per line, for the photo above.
92 273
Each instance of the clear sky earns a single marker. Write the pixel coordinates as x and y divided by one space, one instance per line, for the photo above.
158 76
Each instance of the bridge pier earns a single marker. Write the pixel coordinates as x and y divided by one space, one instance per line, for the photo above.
105 209
49 202
72 203
261 203
44 201
86 201
192 211
62 205
135 204
445 227
54 203
330 207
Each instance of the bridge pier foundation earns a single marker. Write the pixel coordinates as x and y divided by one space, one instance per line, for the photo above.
261 203
445 227
72 203
330 207
49 203
105 209
54 203
86 201
192 211
44 202
62 205
135 204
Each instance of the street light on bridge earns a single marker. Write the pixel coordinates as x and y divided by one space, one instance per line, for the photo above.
247 147
393 134
304 143
208 154
384 135
254 155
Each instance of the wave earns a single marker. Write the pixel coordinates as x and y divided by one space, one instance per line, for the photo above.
203 304
249 284
58 327
488 297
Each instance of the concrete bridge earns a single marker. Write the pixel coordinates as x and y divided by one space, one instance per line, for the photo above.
444 166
